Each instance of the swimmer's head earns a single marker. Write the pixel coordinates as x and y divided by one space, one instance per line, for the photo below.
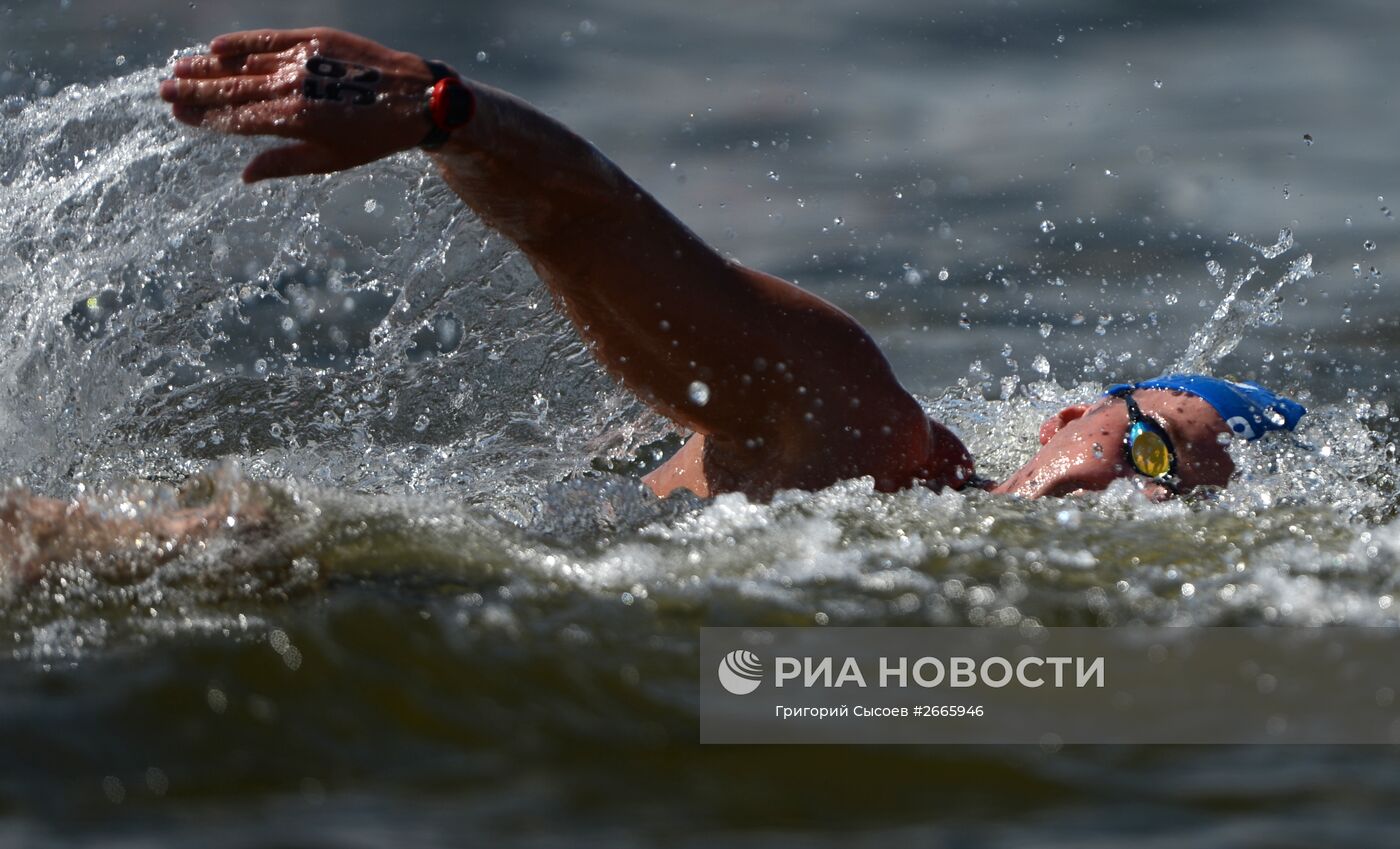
1171 431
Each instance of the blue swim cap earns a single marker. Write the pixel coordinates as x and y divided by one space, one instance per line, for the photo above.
1249 409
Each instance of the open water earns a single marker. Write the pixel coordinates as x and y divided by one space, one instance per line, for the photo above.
466 622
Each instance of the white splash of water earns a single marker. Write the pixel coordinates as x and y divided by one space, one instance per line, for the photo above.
1234 316
156 314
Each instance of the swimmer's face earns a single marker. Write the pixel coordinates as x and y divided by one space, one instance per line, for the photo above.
1082 446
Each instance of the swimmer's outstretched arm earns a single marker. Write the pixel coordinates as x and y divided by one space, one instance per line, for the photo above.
775 377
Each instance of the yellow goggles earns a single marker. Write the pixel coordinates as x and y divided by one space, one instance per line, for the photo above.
1147 445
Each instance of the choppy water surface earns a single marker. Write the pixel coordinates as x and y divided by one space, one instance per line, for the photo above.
463 615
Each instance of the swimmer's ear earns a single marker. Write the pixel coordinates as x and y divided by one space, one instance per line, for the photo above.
1054 423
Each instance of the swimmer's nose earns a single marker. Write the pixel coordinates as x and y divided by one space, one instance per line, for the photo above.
1051 475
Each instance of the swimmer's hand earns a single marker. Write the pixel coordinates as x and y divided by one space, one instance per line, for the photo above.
345 100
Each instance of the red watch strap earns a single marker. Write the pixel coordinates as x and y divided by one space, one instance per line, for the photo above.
437 103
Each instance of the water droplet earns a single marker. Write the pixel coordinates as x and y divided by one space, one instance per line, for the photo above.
1047 226
1041 365
1214 269
1078 246
260 366
1045 329
421 423
1060 39
699 393
1368 245
913 277
371 205
1156 83
482 56
1307 139
943 274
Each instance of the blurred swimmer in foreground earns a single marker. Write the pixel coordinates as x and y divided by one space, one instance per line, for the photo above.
780 389
124 538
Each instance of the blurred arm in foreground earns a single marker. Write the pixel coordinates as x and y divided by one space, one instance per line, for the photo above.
124 540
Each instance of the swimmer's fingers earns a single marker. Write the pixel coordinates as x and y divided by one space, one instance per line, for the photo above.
295 160
262 40
215 67
227 91
266 118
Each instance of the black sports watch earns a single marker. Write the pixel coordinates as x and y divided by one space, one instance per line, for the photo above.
448 104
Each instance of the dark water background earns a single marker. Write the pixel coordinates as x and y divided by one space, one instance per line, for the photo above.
465 632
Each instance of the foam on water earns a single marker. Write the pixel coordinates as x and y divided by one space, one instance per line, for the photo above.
390 385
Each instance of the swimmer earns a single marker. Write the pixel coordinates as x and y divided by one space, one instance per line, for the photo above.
779 388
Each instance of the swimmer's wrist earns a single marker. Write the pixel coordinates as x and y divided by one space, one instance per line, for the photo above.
448 104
